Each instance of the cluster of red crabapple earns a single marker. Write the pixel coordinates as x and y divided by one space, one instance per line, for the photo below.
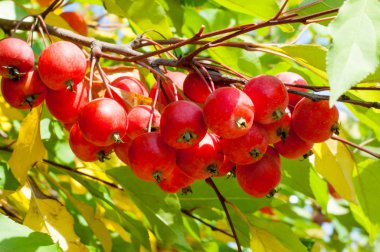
195 134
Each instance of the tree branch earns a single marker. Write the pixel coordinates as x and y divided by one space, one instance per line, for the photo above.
213 228
359 147
223 201
343 98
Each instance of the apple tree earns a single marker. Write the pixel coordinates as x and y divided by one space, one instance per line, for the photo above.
190 125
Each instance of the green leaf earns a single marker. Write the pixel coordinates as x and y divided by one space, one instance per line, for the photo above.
307 9
373 229
16 237
263 9
161 209
203 196
138 232
143 15
7 181
366 181
296 175
239 60
93 219
313 57
355 51
280 234
320 189
335 163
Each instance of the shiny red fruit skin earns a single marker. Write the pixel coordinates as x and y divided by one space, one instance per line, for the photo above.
277 130
122 149
180 118
202 160
246 149
76 21
178 78
65 104
83 149
138 120
195 88
60 64
176 181
269 95
293 78
151 159
226 167
101 119
128 84
314 122
16 92
260 178
293 147
224 108
15 53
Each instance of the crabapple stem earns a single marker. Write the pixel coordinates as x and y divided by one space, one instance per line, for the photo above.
222 200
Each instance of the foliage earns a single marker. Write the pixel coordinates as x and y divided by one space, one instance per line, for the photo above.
59 203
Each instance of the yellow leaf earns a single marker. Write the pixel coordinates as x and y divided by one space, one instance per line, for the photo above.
263 241
93 221
336 164
28 149
50 216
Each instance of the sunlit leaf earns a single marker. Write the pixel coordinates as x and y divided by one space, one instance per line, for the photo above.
28 149
272 236
92 219
16 237
319 188
355 51
264 241
312 57
143 15
161 209
263 9
336 164
366 181
50 216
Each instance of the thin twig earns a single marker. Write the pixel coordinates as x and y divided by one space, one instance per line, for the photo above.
223 201
324 88
359 147
73 170
343 98
213 228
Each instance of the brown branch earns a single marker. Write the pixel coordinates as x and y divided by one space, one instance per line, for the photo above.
69 169
324 88
213 228
223 201
73 170
359 147
343 98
